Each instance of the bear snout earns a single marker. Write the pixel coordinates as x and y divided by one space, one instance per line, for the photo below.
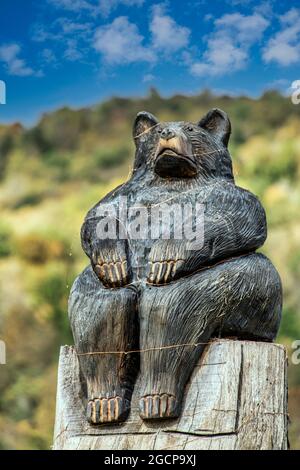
167 133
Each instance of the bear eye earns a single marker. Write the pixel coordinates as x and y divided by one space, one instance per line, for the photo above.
159 130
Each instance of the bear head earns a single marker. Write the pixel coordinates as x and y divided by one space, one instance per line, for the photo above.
183 149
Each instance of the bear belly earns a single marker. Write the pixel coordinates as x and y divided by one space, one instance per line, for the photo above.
174 221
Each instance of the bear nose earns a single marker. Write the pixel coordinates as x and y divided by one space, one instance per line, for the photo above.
167 133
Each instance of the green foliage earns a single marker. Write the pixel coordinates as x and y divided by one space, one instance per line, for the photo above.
9 137
271 159
34 140
51 291
294 264
71 159
111 157
290 324
36 249
5 240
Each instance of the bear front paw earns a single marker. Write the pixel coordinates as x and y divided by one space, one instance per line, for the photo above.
113 274
162 272
109 262
165 261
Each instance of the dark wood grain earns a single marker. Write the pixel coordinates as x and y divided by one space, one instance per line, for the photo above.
151 293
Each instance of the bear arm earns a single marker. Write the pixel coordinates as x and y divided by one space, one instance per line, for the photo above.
87 234
108 256
234 224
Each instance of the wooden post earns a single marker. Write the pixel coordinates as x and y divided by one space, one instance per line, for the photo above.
235 399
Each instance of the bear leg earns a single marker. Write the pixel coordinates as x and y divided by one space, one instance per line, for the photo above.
241 296
105 320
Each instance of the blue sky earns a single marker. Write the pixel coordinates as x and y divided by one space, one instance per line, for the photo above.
79 52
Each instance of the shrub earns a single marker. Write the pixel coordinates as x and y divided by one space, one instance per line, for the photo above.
5 240
52 291
38 250
112 157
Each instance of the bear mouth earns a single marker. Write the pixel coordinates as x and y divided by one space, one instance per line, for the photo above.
169 163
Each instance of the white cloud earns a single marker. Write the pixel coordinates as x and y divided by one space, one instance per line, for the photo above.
283 48
102 7
290 17
208 17
229 44
241 28
239 2
120 42
72 51
48 56
72 5
67 26
281 52
148 78
41 34
107 6
9 55
221 58
265 8
167 35
282 84
72 37
61 28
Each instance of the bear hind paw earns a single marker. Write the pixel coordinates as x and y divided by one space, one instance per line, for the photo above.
159 406
107 410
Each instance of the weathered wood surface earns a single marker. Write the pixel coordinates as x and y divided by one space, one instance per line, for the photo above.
236 399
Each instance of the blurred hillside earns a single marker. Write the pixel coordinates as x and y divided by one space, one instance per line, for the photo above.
51 174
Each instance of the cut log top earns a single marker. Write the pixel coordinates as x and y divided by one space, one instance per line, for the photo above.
235 399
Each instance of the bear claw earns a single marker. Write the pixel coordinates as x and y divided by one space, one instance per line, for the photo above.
107 410
162 272
113 274
158 406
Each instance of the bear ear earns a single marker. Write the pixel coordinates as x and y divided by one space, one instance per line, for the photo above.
143 122
217 123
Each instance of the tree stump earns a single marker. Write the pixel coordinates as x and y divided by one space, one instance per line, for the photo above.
236 399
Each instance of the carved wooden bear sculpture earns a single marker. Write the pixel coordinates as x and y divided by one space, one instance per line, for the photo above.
159 295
